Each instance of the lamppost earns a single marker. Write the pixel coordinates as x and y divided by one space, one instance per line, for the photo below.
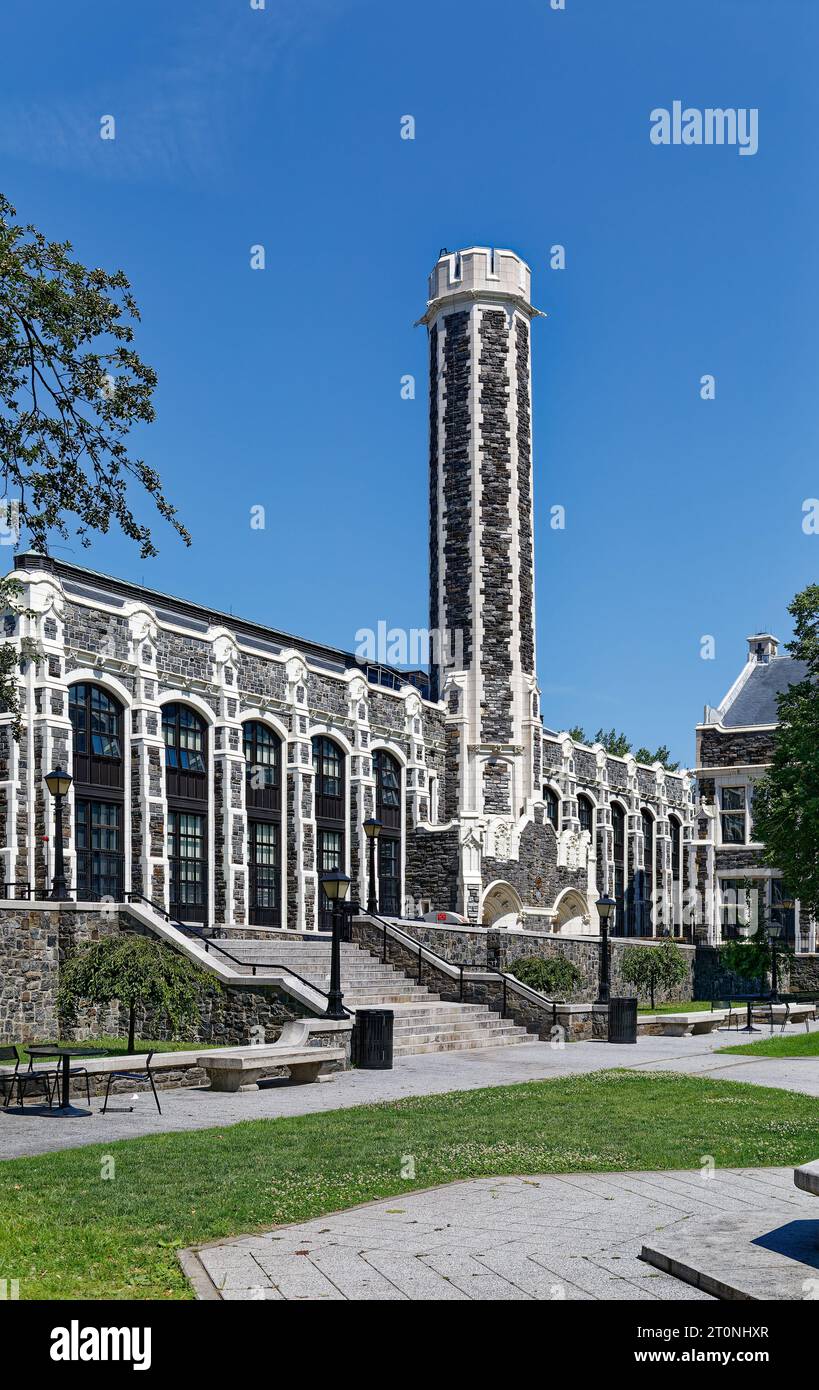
773 932
372 829
58 783
606 906
336 886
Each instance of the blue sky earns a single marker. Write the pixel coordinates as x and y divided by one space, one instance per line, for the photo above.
281 387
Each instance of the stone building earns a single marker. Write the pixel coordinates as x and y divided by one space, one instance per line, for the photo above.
220 766
734 747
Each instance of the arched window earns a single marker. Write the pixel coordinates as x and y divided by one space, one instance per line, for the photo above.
263 799
388 811
646 915
96 721
186 782
585 811
552 803
618 825
331 826
262 748
97 728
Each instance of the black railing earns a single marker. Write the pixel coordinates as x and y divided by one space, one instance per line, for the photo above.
440 962
15 883
210 944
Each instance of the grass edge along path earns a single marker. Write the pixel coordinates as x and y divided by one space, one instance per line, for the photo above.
778 1045
105 1221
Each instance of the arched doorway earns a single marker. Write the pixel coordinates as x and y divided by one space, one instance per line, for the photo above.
502 907
572 914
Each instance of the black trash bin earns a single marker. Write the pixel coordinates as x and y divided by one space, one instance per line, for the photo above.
622 1020
372 1039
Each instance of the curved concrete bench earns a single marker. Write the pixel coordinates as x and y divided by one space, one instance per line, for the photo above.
680 1025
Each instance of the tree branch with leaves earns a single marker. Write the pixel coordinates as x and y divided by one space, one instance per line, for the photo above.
71 389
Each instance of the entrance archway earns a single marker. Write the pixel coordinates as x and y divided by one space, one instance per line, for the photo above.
502 907
572 914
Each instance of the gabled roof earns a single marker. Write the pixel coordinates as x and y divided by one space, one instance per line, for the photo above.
755 700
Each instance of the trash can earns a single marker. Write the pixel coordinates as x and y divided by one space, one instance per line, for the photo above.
372 1039
622 1020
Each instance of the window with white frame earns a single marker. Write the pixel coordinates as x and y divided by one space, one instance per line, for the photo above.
734 815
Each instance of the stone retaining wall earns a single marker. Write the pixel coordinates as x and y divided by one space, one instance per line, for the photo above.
36 941
498 950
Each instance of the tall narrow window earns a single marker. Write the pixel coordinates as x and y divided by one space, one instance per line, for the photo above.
585 811
99 780
646 897
186 783
675 829
618 824
331 825
388 811
552 803
263 800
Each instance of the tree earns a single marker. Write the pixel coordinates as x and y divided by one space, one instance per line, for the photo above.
654 967
662 755
554 976
135 971
786 799
71 388
578 734
616 744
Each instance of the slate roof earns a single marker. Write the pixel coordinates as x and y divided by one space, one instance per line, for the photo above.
756 701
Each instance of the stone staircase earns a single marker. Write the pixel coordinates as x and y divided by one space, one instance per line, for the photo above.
423 1021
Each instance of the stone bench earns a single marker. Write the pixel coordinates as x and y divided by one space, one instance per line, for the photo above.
806 1178
682 1025
793 1013
243 1069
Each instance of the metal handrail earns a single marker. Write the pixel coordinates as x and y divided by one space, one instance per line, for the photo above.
518 987
15 883
189 929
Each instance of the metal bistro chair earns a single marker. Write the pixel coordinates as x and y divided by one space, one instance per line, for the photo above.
46 1079
143 1075
734 1015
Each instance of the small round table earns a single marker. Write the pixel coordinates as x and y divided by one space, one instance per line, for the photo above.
65 1110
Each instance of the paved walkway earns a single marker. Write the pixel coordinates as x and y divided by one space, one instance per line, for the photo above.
429 1074
573 1236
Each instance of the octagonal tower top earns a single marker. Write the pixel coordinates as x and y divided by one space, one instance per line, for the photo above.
479 272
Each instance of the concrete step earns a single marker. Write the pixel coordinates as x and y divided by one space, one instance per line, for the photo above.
416 1049
490 1037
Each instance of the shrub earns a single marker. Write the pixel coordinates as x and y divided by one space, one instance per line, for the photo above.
654 967
555 976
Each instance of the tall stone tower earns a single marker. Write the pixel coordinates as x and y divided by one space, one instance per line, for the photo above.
479 315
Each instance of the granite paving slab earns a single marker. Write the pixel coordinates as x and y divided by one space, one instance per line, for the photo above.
541 1237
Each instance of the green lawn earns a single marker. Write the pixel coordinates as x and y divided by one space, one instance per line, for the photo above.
118 1047
795 1045
65 1232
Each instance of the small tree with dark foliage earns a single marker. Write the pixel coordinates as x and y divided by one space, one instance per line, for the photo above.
654 967
138 972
